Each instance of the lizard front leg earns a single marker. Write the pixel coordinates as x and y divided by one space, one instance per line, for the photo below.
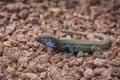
68 49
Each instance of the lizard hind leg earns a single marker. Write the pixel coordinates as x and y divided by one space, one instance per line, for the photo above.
68 49
71 51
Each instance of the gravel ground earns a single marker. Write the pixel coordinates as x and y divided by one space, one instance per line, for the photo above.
23 58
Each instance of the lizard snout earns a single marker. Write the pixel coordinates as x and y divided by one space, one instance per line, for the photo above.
37 38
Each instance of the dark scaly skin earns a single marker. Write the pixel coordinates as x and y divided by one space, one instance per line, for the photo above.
72 46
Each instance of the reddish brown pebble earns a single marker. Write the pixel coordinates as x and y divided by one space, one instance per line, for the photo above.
23 13
88 73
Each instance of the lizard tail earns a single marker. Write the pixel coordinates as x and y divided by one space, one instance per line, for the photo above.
106 39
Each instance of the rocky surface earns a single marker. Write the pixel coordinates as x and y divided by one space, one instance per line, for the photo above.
23 58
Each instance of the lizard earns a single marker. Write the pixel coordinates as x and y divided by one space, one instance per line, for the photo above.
74 46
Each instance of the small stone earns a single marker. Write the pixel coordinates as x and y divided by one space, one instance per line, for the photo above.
3 14
7 43
21 38
84 16
91 37
33 17
32 76
44 58
1 24
10 69
74 63
59 77
60 64
77 76
1 49
23 13
98 71
115 62
69 78
10 28
75 28
15 7
56 58
83 78
13 17
53 72
23 60
75 14
118 40
116 71
56 10
107 74
99 62
88 73
10 7
43 74
68 37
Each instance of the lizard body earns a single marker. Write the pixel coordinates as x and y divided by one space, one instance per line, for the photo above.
73 46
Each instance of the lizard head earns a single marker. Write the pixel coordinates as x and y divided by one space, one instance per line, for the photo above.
48 40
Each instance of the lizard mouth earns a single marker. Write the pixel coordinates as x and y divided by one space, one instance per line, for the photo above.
39 39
